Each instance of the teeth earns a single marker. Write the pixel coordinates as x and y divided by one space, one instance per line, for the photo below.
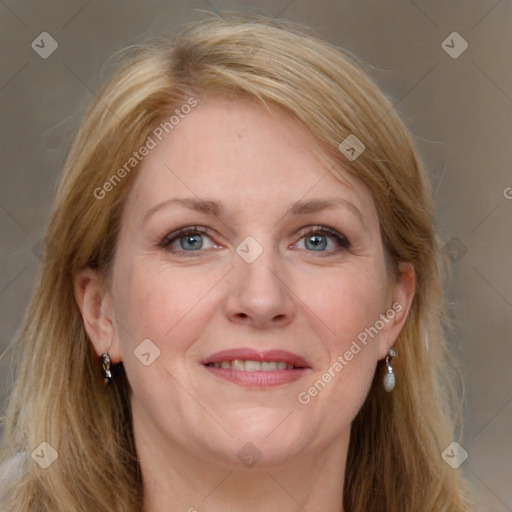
254 366
238 364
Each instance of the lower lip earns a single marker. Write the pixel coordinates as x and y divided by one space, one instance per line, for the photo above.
257 378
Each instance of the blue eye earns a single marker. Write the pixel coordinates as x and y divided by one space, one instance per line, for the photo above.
192 239
317 239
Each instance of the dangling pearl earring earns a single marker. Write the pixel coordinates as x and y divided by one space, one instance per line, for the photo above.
389 378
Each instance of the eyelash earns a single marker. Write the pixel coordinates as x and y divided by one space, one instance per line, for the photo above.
312 230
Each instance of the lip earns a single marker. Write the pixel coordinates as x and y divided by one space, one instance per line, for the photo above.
253 355
260 379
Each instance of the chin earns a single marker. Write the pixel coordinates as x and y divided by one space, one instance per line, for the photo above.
278 440
264 451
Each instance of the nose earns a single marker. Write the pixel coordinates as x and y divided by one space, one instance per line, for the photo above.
258 294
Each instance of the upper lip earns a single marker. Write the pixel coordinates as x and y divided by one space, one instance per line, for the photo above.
249 354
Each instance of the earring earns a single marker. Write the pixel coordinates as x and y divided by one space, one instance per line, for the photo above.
389 378
105 368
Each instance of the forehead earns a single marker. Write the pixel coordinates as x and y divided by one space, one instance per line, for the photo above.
243 154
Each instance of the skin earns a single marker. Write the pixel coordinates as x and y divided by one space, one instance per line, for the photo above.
188 424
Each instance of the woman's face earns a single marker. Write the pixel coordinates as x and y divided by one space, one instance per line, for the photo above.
268 276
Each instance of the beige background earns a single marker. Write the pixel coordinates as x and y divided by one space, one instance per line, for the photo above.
460 111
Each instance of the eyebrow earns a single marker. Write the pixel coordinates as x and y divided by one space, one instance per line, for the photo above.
214 208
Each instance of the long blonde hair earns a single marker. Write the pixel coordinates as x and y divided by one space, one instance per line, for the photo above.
394 460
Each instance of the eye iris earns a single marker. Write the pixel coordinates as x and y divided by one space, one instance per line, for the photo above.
195 240
317 241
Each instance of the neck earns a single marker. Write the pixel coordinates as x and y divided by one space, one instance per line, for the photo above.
178 479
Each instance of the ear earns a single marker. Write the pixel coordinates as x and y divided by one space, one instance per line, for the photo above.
95 305
402 294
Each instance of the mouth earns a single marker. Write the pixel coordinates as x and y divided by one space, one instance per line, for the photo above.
254 366
247 367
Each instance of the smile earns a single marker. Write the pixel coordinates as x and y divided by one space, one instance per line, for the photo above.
254 366
250 368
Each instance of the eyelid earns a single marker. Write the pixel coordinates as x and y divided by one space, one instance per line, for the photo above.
181 232
326 231
323 230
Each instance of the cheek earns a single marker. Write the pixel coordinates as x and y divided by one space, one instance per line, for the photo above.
159 305
157 315
347 303
347 306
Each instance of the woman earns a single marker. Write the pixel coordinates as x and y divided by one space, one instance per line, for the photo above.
241 305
